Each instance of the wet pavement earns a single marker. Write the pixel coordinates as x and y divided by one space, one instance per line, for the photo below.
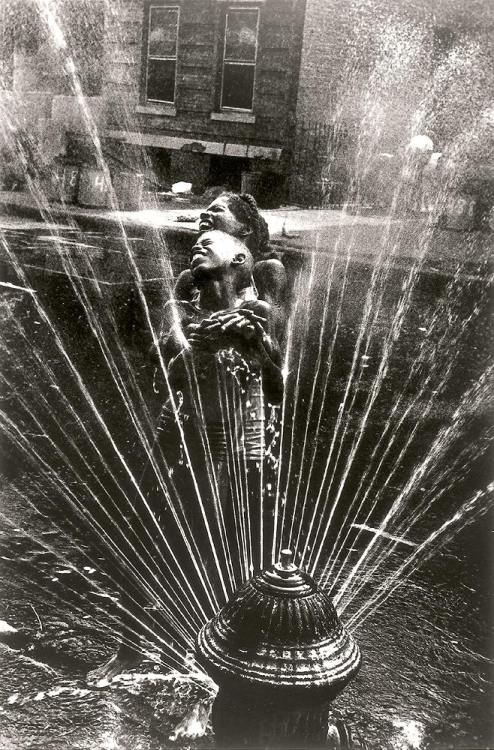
425 671
426 680
183 213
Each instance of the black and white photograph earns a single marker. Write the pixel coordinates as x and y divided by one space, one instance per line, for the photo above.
246 374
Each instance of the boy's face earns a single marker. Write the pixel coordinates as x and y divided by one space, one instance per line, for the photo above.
214 251
218 215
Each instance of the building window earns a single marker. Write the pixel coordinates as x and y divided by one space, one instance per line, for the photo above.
162 53
239 58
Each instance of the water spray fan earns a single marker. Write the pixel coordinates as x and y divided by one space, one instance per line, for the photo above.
279 634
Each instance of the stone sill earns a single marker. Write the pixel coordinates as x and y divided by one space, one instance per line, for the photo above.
164 110
233 116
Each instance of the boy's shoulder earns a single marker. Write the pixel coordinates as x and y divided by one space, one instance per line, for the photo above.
180 310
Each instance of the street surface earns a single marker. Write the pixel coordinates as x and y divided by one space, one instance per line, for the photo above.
426 648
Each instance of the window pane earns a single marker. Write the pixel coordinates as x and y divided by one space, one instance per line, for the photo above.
163 32
238 86
241 35
161 80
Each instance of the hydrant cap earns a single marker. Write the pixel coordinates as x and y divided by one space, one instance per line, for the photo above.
280 631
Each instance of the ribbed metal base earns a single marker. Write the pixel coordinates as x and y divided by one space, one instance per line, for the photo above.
241 724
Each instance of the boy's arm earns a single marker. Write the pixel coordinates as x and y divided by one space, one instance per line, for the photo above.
271 282
184 286
172 335
255 324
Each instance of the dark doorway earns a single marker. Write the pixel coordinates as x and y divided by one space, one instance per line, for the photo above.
160 164
227 171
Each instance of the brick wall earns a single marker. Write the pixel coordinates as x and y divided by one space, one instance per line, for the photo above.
199 57
356 51
368 67
122 62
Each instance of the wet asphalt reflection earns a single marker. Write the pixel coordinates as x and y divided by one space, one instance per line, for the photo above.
426 675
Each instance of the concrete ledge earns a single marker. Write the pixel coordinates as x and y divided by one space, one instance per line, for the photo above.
163 110
233 116
172 142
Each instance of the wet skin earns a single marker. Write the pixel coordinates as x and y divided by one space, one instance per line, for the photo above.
222 318
269 274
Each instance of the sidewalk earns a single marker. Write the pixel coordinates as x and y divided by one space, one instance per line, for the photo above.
288 222
330 232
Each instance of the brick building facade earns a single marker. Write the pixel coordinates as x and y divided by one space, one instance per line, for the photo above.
292 90
194 90
207 86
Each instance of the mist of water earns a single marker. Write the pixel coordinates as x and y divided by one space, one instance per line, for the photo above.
312 511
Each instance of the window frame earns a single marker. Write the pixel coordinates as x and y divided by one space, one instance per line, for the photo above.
239 9
149 9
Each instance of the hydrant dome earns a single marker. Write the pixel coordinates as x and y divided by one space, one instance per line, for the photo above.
279 631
